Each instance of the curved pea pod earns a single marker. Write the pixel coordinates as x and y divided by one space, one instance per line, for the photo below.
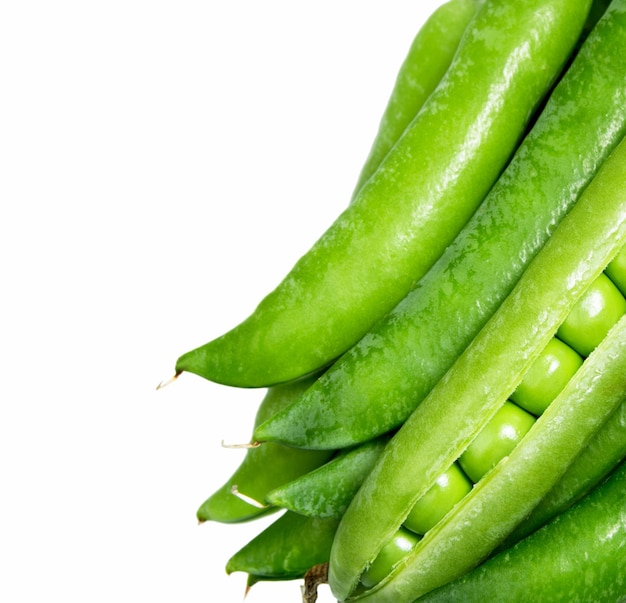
429 57
327 490
412 207
376 385
578 557
601 455
263 468
286 549
473 390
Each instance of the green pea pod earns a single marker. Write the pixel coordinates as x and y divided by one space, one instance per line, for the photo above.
286 549
472 391
603 453
376 385
616 270
577 558
412 207
327 490
263 468
429 57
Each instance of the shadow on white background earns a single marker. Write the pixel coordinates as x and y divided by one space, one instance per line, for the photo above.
163 165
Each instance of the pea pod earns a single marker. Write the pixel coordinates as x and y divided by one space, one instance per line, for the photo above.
428 59
410 209
616 270
471 392
327 490
286 549
603 453
376 385
577 558
263 468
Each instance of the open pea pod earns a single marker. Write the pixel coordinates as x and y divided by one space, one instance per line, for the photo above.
472 391
546 566
601 455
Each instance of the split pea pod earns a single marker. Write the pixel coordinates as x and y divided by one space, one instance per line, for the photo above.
603 453
263 468
376 385
428 59
424 191
472 391
548 565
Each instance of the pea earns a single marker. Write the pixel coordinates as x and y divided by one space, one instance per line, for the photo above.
591 318
450 487
394 551
546 377
496 440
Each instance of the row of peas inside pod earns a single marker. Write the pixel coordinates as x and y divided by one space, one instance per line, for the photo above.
439 388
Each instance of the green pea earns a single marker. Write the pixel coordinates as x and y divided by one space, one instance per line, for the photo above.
394 551
447 491
496 440
546 377
601 306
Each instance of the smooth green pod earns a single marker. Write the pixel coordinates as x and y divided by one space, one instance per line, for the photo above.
376 385
471 392
327 490
580 557
286 549
429 57
412 207
263 468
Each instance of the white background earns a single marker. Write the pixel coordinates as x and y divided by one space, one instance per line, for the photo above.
163 164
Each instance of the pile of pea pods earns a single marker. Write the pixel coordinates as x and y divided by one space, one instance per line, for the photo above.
444 371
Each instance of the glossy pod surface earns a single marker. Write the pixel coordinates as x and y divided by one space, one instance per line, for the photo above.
580 557
327 490
472 391
263 468
286 549
383 378
601 455
412 207
427 61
